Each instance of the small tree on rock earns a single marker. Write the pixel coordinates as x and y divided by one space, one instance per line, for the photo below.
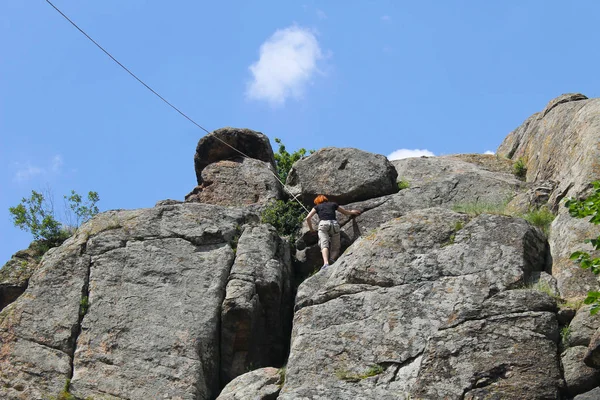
284 160
285 216
36 215
82 209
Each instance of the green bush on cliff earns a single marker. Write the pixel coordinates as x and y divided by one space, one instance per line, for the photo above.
476 208
285 216
36 215
541 217
589 206
403 184
519 168
285 160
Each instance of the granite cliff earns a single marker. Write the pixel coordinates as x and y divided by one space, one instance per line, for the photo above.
199 299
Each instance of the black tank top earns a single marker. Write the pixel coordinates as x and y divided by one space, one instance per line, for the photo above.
326 211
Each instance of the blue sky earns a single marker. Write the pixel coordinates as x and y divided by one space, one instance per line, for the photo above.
438 76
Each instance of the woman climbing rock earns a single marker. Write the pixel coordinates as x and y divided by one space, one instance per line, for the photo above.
329 228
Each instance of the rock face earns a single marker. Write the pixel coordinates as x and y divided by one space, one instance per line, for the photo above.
39 330
444 181
476 362
568 235
220 144
181 300
375 312
562 144
257 312
433 182
489 162
127 308
344 175
237 182
15 274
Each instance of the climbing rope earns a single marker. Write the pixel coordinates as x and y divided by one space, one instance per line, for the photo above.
167 102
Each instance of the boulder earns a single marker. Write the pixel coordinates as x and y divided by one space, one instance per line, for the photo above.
591 395
362 327
223 143
237 182
256 315
592 357
579 378
344 175
583 326
260 384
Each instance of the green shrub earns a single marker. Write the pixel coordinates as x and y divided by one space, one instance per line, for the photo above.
36 215
458 225
480 207
519 168
348 376
285 160
285 216
541 217
372 371
84 305
65 395
82 209
565 334
570 304
542 286
589 206
403 184
282 371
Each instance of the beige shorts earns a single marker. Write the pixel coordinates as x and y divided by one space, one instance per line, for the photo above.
329 234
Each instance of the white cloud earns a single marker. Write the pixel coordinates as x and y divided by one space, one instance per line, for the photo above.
57 163
27 172
288 61
489 152
406 153
321 14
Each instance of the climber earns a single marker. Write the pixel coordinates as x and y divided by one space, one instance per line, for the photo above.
329 229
